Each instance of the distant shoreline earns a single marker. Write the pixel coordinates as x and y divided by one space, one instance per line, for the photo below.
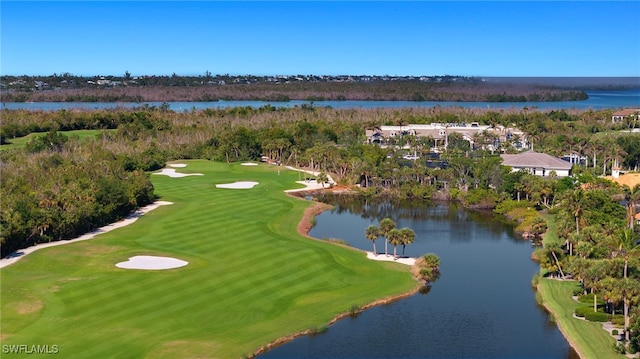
401 90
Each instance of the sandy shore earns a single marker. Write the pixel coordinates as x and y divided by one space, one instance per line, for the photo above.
382 257
311 184
108 228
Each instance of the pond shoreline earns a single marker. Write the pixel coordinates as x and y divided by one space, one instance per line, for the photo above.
559 324
304 227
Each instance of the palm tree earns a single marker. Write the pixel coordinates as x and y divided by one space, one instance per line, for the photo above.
386 225
633 196
407 236
626 243
622 290
372 233
427 267
395 238
591 275
554 248
575 204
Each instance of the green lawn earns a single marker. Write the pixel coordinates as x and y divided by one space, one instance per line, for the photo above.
20 142
590 339
250 280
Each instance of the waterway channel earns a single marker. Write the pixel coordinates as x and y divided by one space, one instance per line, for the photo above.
597 100
482 306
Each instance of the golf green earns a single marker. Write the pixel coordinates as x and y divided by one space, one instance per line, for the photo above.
251 277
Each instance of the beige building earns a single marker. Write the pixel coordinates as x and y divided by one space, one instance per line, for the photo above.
621 115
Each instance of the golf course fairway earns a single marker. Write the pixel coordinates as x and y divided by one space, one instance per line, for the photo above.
250 278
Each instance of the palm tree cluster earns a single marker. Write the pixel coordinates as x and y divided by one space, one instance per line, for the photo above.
387 229
598 246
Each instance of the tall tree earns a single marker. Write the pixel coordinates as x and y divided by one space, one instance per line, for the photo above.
407 236
372 233
386 225
395 238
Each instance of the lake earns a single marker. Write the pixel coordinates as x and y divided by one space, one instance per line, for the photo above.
482 306
597 100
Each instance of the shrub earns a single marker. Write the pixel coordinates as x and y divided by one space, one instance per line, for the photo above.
318 330
596 316
582 311
354 310
579 291
481 198
617 320
588 298
619 348
614 332
535 281
510 204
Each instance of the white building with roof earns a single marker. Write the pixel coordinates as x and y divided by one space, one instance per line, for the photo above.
539 164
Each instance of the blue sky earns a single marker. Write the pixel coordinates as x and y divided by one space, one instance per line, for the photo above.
478 38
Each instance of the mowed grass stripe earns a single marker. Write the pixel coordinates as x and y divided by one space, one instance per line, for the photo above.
251 277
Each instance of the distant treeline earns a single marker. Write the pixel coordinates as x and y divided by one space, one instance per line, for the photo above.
203 91
58 186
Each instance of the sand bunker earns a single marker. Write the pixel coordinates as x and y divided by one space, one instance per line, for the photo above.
238 185
178 165
151 263
382 257
172 173
248 164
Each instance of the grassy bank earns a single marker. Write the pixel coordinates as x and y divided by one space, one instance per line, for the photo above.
251 277
587 338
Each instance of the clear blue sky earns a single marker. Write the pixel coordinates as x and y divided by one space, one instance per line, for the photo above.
504 38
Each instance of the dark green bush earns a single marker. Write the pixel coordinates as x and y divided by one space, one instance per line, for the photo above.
582 311
596 316
617 320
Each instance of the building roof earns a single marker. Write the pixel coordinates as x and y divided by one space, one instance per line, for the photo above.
626 112
531 159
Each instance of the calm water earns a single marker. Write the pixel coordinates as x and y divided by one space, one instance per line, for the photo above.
597 100
482 306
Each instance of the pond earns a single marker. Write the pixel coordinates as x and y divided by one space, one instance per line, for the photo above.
482 306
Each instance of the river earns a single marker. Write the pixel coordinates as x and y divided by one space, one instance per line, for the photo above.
597 100
482 306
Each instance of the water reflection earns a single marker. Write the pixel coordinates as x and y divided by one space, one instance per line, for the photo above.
482 306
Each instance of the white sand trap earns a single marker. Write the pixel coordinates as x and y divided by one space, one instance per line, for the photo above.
151 263
248 164
383 257
178 165
238 185
172 173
